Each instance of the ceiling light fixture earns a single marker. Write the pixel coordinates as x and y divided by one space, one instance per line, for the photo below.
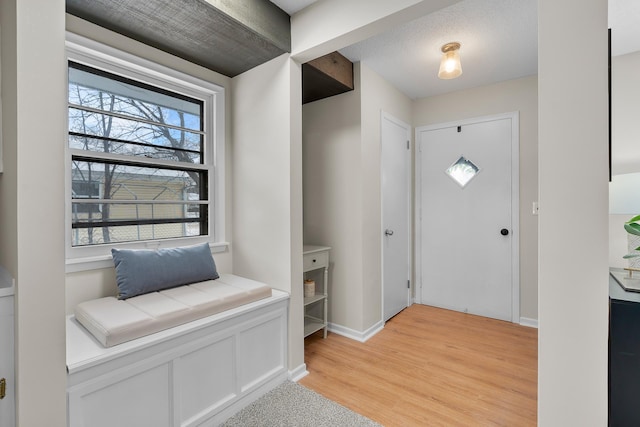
450 67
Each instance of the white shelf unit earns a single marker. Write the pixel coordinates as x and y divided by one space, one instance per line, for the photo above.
315 260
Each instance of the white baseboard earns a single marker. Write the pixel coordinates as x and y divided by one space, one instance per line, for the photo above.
298 373
532 323
356 335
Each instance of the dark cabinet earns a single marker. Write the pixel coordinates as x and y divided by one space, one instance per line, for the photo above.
624 356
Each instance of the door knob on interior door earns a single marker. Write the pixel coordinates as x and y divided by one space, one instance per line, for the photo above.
388 232
504 232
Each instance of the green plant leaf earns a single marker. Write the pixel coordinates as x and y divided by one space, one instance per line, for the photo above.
634 219
632 228
627 256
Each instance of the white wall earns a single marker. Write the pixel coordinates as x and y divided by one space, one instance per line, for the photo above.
267 227
625 133
343 173
377 96
342 192
572 290
85 285
332 177
513 95
33 89
573 171
9 177
33 41
572 283
625 110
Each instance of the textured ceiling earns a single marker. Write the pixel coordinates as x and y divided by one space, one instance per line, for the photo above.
499 42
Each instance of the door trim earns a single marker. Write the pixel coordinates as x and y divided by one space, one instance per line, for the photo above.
515 202
386 116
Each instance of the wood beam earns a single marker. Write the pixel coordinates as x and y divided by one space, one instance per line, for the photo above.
263 17
326 76
229 37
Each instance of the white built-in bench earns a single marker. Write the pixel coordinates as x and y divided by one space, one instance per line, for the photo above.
175 367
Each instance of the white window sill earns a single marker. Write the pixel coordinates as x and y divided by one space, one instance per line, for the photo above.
74 265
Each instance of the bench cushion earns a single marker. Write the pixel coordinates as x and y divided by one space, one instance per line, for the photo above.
112 321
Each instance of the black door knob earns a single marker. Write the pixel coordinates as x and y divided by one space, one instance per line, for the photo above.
504 232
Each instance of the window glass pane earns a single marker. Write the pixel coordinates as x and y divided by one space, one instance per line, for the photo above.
142 212
127 182
462 171
102 125
110 93
132 233
103 145
85 189
97 223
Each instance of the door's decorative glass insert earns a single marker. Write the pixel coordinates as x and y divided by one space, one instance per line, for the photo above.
462 171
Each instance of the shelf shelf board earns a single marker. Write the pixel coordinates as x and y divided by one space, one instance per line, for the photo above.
315 298
311 327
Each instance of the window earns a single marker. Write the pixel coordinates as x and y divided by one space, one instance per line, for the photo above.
462 171
141 156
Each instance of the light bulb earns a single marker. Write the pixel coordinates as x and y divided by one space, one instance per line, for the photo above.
450 66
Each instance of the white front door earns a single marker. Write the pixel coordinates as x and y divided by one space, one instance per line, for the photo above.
468 216
396 172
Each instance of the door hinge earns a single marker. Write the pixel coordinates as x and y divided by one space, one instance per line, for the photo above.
408 144
409 284
3 388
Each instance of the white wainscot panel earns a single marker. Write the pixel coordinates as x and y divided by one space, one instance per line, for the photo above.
203 391
260 357
132 400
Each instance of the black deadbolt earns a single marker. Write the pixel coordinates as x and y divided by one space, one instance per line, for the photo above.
504 232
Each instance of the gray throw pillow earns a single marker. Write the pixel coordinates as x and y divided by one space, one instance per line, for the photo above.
140 271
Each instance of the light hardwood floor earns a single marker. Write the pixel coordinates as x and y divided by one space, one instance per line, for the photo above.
431 367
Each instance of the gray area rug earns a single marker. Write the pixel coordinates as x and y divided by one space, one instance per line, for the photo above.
291 404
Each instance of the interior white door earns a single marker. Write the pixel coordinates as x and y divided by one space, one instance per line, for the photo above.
466 227
396 169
